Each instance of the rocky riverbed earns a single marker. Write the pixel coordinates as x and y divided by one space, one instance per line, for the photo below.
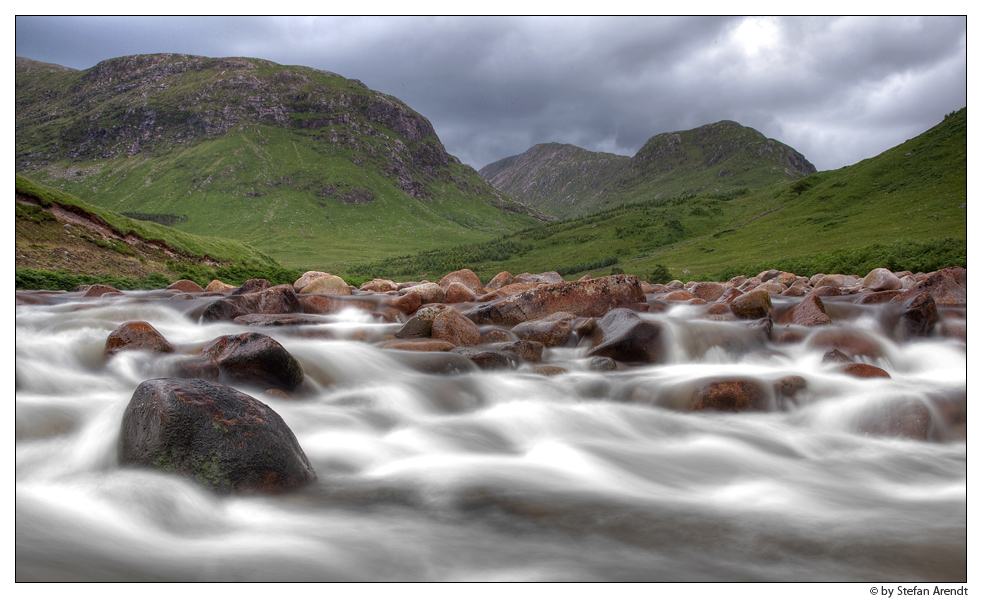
771 428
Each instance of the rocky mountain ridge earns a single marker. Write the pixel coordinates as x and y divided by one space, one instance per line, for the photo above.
565 180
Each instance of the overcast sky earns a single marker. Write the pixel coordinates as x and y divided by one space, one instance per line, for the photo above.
836 89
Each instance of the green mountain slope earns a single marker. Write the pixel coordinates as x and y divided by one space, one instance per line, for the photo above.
314 169
905 208
565 181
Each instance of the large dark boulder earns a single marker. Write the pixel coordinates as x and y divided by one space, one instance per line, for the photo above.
280 299
225 439
254 359
624 336
920 314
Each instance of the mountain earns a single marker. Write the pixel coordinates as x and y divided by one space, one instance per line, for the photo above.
903 209
564 180
306 165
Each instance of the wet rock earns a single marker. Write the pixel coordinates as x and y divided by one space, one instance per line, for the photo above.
500 280
826 291
542 277
253 285
789 386
224 439
794 291
327 285
430 292
717 309
774 288
877 297
277 320
918 318
451 325
948 288
465 277
136 336
96 290
708 291
495 335
809 312
548 370
379 285
185 286
602 364
863 370
622 335
835 356
254 359
330 304
830 280
728 395
589 298
195 367
752 305
457 292
882 279
408 302
421 324
679 296
904 418
417 344
275 300
528 350
487 359
853 343
552 331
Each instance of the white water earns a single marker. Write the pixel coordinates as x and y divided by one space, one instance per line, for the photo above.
496 476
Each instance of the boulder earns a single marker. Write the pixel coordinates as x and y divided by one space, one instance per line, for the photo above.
327 285
751 305
543 277
918 318
947 287
588 298
500 280
417 344
217 285
877 297
379 285
708 291
253 285
809 312
908 418
487 359
465 277
421 324
528 350
137 336
852 342
552 331
679 296
430 292
307 278
450 325
624 336
185 286
408 302
882 279
275 300
457 292
96 290
729 395
863 370
224 439
254 359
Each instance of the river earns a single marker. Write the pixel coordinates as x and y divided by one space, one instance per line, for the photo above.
506 475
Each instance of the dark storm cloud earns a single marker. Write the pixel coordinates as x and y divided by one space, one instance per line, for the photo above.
837 89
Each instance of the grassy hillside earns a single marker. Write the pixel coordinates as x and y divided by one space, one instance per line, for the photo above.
314 169
893 209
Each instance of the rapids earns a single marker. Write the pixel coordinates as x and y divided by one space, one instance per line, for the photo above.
507 475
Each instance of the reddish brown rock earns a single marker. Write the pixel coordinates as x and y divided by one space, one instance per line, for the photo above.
417 344
421 324
466 277
794 291
275 300
328 304
253 285
548 370
919 316
327 285
882 279
457 292
224 439
379 285
830 280
877 297
624 336
679 296
430 292
826 291
137 336
905 418
718 309
541 278
752 305
728 395
552 331
500 280
495 335
947 287
185 286
217 285
97 290
450 325
863 370
487 359
853 343
254 359
809 312
708 291
590 298
729 295
528 350
307 278
408 302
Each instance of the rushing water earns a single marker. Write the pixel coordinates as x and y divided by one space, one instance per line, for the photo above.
498 475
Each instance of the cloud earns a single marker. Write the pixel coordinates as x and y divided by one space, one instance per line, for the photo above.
837 89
